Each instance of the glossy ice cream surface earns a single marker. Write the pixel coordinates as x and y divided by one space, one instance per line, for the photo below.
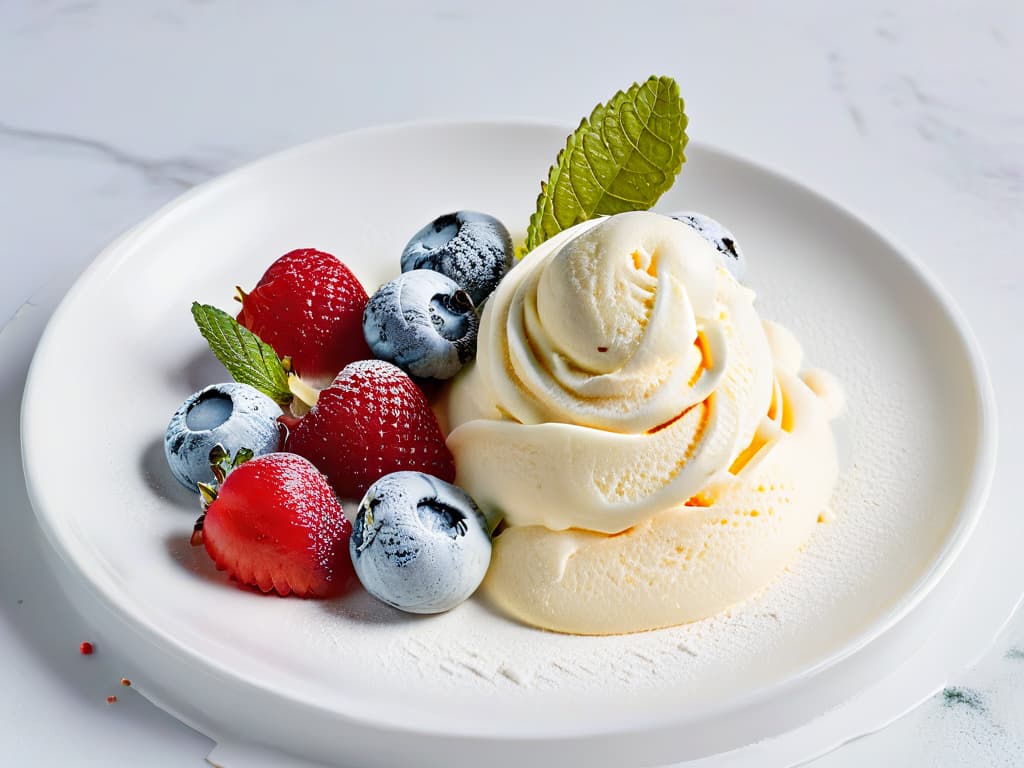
650 442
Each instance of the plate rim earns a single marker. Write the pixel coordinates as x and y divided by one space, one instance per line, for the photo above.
971 508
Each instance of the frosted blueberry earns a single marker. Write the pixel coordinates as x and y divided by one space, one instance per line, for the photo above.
473 249
418 543
718 236
231 415
422 322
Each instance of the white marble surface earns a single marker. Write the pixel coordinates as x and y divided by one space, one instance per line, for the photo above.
909 113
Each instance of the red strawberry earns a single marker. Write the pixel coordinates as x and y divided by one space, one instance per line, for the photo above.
371 421
309 306
274 523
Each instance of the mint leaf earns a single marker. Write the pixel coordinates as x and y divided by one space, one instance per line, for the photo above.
621 158
248 359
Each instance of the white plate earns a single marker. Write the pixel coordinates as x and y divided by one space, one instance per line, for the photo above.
355 682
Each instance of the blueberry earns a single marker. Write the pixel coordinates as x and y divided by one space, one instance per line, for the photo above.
232 415
422 322
718 236
473 249
418 543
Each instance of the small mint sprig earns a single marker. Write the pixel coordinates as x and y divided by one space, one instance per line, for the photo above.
623 157
250 360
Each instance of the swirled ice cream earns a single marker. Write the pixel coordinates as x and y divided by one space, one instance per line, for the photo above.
649 440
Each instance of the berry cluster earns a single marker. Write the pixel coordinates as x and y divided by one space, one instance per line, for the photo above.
337 415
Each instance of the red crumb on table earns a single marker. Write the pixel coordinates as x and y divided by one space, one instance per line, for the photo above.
85 649
111 699
125 682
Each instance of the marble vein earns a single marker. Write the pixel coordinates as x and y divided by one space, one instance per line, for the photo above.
179 172
76 8
26 306
837 67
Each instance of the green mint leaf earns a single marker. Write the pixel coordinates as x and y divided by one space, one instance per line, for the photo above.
248 359
621 158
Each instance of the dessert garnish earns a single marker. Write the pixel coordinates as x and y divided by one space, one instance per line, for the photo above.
308 307
423 322
419 544
623 157
273 522
231 415
248 359
471 248
372 420
720 237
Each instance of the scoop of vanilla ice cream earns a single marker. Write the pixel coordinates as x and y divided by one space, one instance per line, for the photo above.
647 438
619 369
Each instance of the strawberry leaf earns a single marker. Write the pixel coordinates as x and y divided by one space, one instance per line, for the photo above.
621 158
248 359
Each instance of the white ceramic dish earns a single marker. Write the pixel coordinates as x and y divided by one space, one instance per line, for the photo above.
352 681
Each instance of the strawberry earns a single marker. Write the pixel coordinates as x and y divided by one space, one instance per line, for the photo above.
274 523
308 306
371 421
